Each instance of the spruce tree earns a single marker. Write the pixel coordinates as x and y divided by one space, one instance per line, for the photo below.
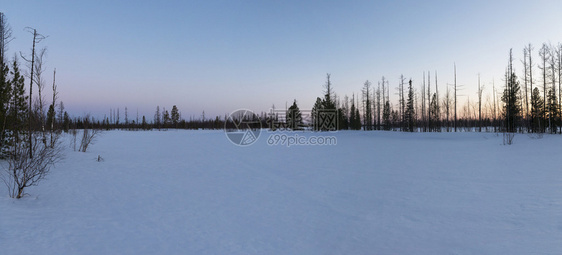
316 109
18 103
175 116
357 119
434 125
510 97
386 116
294 117
536 110
66 122
51 118
512 107
166 119
352 116
410 114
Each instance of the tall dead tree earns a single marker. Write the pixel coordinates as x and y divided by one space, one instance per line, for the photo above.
39 68
5 37
495 99
37 38
525 83
529 50
455 98
438 110
447 105
544 54
423 119
553 106
480 89
429 126
367 115
377 105
53 105
402 100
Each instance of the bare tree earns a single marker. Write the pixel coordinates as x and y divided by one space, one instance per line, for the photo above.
88 135
53 132
5 37
447 106
525 82
553 109
438 110
378 106
544 54
37 38
402 101
38 76
423 120
480 89
367 117
529 49
455 97
23 171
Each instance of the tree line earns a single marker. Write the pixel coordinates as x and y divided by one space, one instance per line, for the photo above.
524 104
529 102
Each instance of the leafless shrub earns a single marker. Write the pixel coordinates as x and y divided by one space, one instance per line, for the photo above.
88 135
508 138
74 133
22 171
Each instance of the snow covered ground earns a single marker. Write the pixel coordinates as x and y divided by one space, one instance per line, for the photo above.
193 192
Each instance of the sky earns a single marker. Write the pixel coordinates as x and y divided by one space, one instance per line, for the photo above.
219 56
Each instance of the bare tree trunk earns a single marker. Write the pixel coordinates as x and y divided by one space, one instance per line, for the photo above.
479 105
455 98
428 103
30 92
437 104
525 75
529 52
544 55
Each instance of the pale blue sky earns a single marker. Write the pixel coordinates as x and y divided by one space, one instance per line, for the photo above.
219 56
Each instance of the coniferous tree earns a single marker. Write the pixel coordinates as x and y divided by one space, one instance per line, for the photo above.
325 106
294 117
357 119
5 91
318 106
18 110
512 107
328 103
536 111
50 118
386 116
166 118
434 113
410 114
175 116
144 126
352 114
157 118
367 113
66 122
